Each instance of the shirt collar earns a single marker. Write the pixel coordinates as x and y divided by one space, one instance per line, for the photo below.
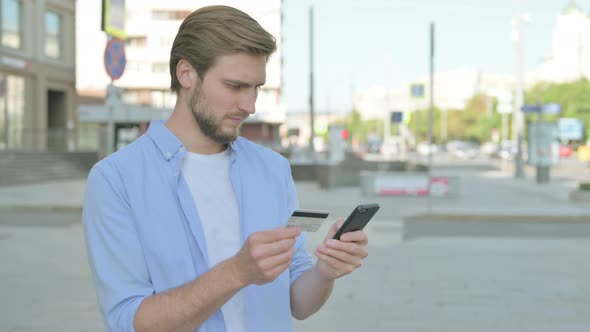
165 140
169 144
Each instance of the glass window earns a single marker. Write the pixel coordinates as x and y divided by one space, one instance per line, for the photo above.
12 112
53 29
136 41
11 23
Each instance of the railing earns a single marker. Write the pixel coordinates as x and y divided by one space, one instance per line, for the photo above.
84 138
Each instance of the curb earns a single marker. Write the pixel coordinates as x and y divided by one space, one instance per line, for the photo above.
498 218
40 208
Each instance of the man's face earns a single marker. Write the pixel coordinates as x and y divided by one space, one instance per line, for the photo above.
225 97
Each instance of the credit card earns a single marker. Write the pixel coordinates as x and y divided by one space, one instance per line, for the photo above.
307 220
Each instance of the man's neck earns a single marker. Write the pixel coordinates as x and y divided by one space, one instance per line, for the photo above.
184 126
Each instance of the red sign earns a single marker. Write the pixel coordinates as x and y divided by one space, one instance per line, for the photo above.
114 58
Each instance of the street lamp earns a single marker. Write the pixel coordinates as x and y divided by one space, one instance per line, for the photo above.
517 115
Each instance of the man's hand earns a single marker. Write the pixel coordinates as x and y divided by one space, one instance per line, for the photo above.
340 257
265 255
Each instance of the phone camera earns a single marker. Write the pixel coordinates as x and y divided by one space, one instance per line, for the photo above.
363 211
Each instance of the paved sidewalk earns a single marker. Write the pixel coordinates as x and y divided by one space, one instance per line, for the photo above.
427 283
481 193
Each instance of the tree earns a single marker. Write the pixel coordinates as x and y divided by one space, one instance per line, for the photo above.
574 98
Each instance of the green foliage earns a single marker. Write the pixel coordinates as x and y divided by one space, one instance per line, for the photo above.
574 98
479 118
474 123
585 186
360 129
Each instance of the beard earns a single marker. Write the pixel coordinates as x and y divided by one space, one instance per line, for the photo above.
210 125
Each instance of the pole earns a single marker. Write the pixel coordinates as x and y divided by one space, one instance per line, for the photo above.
504 130
311 87
430 114
4 87
443 126
518 116
543 154
110 123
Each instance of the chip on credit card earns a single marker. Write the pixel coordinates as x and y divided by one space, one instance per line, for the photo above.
307 220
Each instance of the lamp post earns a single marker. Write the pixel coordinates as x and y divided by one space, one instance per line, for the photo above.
517 115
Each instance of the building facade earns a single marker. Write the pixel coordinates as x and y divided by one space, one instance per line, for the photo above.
570 55
452 90
151 26
37 75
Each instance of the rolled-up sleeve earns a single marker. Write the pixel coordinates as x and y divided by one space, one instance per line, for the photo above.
301 260
116 259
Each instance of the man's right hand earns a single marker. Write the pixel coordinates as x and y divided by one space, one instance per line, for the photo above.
265 255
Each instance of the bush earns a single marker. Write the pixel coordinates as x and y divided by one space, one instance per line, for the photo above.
585 186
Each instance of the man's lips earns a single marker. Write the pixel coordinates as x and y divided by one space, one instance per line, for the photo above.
237 118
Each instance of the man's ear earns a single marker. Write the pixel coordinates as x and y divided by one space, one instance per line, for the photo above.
186 74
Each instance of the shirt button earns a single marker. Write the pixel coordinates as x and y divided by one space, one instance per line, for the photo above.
168 155
181 149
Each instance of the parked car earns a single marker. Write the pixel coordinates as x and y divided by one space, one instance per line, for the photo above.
565 151
463 149
424 149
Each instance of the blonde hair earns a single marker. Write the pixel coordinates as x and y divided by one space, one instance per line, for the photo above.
217 30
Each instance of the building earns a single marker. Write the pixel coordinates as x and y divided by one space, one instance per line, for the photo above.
38 100
151 26
452 90
570 58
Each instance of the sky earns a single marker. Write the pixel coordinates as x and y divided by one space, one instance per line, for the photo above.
385 43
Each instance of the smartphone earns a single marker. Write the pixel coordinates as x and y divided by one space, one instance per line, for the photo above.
358 219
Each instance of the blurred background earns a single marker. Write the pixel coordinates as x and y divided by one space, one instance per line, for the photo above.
467 121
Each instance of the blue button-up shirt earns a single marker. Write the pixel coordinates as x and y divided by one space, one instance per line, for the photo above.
144 235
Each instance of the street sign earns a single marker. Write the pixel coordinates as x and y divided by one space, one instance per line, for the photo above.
113 18
542 108
114 58
551 109
397 117
570 129
417 90
531 108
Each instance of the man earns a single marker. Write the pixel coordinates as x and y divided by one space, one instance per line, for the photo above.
185 226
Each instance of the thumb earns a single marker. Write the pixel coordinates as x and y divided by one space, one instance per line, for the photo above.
334 228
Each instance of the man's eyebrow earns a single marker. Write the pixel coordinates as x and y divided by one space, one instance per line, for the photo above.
238 82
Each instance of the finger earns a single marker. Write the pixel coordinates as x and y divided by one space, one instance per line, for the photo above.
334 228
359 237
272 249
275 272
343 256
351 248
338 267
273 235
276 260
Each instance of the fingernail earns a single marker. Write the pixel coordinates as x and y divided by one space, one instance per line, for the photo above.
331 243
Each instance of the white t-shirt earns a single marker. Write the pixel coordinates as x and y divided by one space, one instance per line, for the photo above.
208 177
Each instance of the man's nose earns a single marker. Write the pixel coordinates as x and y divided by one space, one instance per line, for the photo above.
248 102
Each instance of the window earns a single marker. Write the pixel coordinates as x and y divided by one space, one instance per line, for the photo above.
12 112
53 23
136 41
11 23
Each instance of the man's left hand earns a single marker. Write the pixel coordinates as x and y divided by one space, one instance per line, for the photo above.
338 258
